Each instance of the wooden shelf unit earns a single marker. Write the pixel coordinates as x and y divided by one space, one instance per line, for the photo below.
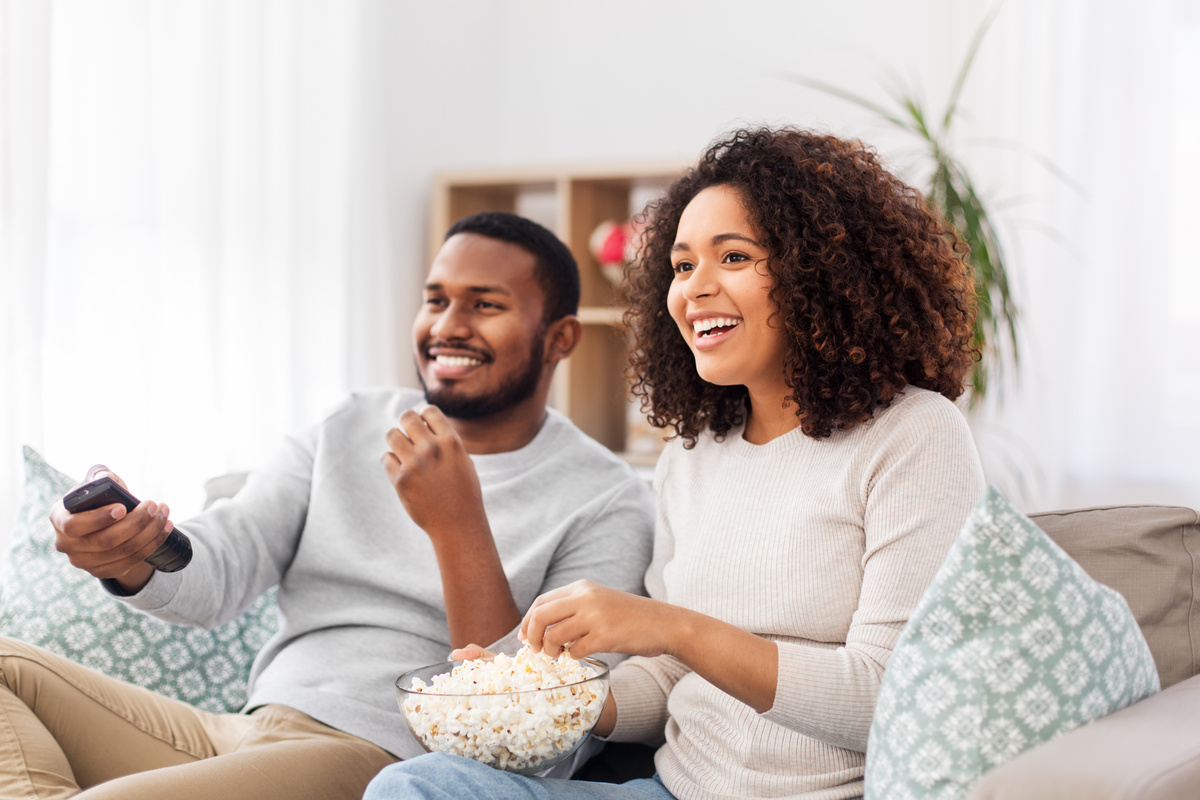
590 387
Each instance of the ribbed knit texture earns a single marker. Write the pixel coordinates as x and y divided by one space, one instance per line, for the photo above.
360 592
824 546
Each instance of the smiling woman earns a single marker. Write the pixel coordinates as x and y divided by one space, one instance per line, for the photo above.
802 322
855 286
721 301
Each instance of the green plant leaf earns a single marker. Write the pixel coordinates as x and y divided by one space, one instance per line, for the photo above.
972 50
849 97
953 196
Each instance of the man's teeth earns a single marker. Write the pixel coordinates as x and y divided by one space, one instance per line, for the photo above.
458 361
702 326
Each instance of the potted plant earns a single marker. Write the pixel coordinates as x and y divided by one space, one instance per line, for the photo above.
952 194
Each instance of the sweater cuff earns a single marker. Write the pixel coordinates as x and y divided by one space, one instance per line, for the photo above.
154 596
641 706
825 694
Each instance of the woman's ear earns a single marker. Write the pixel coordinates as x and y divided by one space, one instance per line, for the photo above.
561 338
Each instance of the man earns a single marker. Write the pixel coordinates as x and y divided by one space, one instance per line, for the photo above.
484 500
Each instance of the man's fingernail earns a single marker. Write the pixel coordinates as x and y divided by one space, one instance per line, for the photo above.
117 512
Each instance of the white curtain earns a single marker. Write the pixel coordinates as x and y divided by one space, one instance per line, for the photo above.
1107 409
191 220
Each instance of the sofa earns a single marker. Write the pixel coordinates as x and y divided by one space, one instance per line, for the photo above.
1151 749
1149 554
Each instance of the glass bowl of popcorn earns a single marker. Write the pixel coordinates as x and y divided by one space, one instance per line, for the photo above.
522 713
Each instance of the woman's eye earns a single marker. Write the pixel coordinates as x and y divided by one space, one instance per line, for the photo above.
682 266
736 257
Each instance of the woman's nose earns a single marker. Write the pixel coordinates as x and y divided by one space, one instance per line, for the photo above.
703 282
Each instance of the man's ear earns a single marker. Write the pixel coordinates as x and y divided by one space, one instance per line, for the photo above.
562 335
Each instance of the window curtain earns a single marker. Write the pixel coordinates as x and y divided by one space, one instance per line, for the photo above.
1083 120
191 225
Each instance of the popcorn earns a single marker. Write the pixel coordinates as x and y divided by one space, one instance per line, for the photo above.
515 713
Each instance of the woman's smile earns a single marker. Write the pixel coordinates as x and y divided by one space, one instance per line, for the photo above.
720 297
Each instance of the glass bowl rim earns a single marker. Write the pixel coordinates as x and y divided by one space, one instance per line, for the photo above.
406 676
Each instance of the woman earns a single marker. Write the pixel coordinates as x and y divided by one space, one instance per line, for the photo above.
803 323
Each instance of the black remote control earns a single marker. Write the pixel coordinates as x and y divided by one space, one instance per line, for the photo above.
171 556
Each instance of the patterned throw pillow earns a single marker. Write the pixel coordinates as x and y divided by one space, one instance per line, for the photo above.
47 602
1012 645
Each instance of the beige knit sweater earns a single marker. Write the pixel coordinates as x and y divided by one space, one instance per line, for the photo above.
824 546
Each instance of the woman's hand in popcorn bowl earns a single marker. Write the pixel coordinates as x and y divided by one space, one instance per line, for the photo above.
522 713
590 618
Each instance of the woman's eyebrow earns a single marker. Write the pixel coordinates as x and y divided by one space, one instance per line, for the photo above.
725 237
718 239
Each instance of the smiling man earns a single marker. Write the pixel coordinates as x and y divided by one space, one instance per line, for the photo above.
485 500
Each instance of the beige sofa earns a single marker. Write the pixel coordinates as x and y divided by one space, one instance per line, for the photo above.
1150 750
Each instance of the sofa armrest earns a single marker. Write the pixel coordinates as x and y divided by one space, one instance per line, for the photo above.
1149 750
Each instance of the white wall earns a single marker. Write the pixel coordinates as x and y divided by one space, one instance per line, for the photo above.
485 84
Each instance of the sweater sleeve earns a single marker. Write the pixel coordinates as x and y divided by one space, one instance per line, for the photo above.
610 545
640 687
919 477
241 546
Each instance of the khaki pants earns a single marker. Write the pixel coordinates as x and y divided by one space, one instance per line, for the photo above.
67 731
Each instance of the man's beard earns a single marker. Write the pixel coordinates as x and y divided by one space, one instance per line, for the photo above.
515 390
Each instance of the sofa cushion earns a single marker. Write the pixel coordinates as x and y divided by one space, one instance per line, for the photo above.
1151 555
47 602
1012 644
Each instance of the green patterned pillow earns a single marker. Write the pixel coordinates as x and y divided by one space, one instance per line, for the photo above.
47 602
1012 645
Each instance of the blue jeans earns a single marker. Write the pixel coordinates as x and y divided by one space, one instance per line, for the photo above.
436 776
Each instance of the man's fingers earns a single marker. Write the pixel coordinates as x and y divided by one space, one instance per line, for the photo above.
470 652
435 420
399 443
106 536
114 549
99 471
393 467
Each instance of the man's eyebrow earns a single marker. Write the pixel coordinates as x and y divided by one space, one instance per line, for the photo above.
437 287
718 239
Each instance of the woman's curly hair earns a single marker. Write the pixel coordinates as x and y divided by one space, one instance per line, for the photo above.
873 290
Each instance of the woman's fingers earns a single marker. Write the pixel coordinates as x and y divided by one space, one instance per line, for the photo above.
548 614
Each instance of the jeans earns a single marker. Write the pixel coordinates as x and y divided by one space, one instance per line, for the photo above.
437 776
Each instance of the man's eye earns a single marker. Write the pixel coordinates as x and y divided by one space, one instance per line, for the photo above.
682 266
486 305
435 301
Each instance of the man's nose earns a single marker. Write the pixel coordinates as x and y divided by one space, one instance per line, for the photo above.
452 323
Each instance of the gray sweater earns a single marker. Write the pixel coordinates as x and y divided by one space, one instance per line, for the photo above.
824 546
360 594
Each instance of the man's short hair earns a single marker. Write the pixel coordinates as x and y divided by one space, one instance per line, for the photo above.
554 266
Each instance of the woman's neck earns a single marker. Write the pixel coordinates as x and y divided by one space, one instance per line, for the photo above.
768 418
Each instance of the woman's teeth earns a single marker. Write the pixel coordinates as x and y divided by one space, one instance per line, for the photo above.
458 361
703 327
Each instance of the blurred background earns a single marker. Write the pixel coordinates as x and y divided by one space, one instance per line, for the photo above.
214 215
